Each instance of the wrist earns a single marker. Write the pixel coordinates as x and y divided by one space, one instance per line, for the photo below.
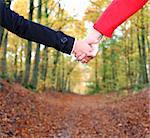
74 45
94 37
98 36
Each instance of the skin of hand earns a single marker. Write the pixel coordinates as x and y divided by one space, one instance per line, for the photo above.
94 37
86 59
82 49
93 40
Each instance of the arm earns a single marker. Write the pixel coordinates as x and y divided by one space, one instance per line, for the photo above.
116 13
33 31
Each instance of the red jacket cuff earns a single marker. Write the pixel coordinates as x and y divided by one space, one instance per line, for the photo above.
116 13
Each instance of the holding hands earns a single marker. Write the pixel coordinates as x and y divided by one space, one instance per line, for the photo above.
87 49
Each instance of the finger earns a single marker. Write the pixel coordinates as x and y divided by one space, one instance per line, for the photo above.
91 54
94 52
82 57
78 55
92 41
86 59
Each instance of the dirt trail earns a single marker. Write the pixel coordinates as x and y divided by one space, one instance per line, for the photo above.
24 114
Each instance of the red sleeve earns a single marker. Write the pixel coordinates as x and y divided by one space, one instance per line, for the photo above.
116 13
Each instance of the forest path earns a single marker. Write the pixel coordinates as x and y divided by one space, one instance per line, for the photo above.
24 114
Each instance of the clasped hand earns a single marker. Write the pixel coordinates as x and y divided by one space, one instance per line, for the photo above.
85 50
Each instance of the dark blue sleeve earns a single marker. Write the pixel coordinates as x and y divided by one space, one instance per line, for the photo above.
31 31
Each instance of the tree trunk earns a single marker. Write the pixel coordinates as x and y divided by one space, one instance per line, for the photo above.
29 50
96 74
145 74
44 64
15 63
4 59
140 58
104 68
3 42
54 69
63 74
45 55
34 80
1 35
113 69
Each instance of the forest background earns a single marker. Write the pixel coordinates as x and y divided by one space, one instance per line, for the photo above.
123 62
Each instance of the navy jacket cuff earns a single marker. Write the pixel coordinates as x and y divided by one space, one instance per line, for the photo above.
66 42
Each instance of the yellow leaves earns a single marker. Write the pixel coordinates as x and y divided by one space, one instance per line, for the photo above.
21 7
1 54
77 29
95 10
41 86
51 4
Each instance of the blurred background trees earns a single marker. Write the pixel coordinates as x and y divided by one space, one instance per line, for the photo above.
123 61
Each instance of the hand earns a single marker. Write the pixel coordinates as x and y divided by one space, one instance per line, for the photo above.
93 40
93 54
82 50
94 37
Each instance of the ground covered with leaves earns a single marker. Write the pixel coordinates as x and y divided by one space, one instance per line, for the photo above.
24 114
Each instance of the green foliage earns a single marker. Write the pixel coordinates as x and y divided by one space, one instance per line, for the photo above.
138 87
123 61
93 88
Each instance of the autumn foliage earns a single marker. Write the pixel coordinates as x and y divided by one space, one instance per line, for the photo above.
26 114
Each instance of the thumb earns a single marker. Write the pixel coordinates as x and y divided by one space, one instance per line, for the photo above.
91 40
